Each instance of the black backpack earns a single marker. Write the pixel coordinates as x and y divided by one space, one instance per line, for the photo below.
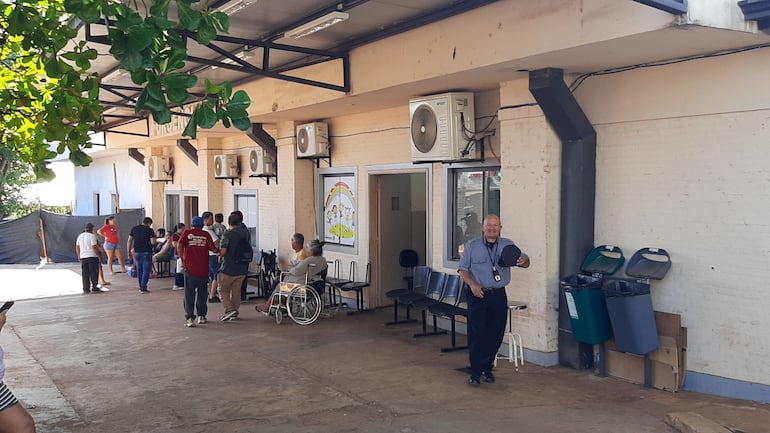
244 254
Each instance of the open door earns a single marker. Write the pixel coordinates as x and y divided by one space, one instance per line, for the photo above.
398 213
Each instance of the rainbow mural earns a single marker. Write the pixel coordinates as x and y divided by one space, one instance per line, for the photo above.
339 210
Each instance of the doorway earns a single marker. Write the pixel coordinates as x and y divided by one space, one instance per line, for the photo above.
399 221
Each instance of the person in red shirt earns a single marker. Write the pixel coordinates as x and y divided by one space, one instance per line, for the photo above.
112 243
193 247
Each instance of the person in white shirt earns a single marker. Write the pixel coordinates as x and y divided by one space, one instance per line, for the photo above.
208 220
89 255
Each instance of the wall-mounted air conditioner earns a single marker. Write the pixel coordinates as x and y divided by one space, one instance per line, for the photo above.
159 168
313 140
442 127
261 163
225 166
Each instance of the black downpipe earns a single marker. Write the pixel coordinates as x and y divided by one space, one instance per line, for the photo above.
578 193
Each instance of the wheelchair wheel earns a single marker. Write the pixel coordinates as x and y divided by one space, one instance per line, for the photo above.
278 316
303 305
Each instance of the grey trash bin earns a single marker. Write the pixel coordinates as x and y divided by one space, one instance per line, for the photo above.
629 303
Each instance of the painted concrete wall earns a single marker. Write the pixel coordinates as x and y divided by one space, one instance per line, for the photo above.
98 178
690 174
680 161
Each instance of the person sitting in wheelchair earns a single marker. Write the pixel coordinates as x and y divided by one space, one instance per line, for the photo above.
307 270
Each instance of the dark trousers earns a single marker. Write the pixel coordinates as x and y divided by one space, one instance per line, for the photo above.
196 294
487 318
89 270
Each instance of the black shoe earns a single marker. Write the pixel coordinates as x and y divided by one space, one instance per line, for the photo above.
488 376
214 300
474 381
86 291
97 290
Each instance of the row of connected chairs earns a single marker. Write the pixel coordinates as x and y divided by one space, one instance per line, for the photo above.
437 293
352 283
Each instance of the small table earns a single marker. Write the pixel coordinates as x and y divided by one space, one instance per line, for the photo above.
515 348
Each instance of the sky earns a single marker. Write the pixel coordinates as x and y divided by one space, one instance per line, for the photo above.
58 192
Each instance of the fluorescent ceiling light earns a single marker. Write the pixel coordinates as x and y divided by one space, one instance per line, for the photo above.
234 6
115 75
243 55
317 24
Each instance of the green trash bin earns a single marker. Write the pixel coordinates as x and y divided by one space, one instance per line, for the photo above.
587 308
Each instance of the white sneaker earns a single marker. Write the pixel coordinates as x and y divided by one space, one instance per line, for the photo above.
190 323
230 315
175 287
202 320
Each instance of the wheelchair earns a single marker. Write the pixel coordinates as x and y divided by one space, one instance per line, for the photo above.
303 303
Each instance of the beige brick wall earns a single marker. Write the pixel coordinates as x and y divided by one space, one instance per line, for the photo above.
682 164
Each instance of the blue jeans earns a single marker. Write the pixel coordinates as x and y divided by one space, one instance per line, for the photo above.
143 267
196 295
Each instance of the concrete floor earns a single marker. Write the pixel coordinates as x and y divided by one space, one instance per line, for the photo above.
123 362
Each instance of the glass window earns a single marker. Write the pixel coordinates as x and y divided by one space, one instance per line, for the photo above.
475 193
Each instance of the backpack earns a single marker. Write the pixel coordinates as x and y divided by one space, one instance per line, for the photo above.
244 254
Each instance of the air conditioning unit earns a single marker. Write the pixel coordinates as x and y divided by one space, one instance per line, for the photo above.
261 163
313 140
159 168
225 166
442 127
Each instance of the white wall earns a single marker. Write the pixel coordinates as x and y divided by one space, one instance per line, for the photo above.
98 178
683 164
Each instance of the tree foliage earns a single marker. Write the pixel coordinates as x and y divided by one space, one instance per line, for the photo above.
14 176
49 95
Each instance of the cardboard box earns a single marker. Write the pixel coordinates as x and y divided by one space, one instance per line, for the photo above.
668 363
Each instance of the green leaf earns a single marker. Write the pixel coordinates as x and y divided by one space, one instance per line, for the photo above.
132 60
142 99
177 95
206 31
159 8
227 90
191 130
207 118
141 38
139 76
221 21
236 113
52 68
242 124
188 17
240 100
80 158
162 117
212 89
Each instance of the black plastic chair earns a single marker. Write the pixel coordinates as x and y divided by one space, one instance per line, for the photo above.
431 290
358 287
450 289
408 260
460 308
419 280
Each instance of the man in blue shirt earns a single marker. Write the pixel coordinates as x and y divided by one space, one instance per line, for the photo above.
485 275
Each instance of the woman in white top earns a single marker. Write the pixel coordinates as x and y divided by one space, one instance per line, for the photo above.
13 417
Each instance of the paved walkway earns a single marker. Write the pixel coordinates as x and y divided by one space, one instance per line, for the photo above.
122 362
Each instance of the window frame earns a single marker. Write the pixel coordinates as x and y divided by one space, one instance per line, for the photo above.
450 214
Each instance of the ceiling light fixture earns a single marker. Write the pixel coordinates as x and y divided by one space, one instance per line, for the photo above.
243 55
234 6
316 25
115 75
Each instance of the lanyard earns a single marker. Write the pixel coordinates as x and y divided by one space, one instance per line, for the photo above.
494 268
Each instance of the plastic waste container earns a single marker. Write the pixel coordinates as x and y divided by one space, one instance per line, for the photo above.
629 303
586 305
587 308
